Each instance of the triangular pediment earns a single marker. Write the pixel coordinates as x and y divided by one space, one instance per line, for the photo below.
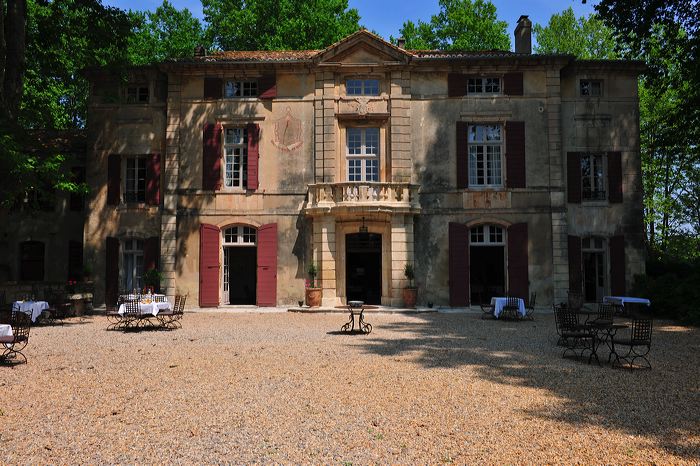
362 48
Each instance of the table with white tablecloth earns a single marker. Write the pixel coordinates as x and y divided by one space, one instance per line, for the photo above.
499 302
33 308
5 330
152 308
622 300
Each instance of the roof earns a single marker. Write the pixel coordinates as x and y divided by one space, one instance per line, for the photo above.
259 55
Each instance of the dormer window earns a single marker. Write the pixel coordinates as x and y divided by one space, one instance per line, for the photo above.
234 89
484 85
362 87
591 87
137 94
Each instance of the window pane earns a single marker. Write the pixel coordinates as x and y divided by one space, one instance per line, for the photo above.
493 133
493 85
354 87
232 89
354 170
354 141
371 87
372 170
474 85
372 141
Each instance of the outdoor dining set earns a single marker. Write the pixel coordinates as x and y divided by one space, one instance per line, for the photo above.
140 311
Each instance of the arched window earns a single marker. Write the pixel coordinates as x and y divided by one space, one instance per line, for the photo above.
239 235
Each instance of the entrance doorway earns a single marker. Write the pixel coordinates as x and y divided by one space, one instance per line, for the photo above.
593 252
240 265
363 267
487 274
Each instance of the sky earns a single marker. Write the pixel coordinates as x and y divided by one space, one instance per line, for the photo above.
387 16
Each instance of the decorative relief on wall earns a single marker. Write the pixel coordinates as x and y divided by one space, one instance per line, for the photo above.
288 136
363 105
486 200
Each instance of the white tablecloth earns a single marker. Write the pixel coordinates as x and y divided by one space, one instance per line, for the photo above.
5 330
621 300
152 308
33 308
498 304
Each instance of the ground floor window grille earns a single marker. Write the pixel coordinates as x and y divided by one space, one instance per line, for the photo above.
132 264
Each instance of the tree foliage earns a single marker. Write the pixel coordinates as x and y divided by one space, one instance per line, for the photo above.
585 37
164 33
469 25
278 24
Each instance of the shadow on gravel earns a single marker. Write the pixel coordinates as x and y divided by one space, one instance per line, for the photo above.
661 404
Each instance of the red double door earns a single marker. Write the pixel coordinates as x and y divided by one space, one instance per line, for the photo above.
210 266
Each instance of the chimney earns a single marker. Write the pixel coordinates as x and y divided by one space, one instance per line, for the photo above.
401 43
523 35
200 51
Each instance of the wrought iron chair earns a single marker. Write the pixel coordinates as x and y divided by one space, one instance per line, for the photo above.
575 300
511 309
572 335
487 311
530 307
132 314
605 312
14 344
159 298
639 337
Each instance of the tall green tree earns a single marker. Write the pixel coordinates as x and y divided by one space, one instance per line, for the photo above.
278 24
164 33
468 25
585 37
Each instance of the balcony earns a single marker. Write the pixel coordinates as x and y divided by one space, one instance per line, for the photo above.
362 197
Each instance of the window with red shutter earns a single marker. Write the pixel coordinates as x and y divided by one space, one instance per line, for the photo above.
253 156
211 157
573 177
114 168
111 270
153 180
518 276
462 154
267 86
456 85
458 264
575 275
209 247
615 177
515 154
267 265
513 84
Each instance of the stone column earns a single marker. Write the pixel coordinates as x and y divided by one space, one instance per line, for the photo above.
325 257
401 254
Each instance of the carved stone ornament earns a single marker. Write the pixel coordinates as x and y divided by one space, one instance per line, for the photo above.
288 133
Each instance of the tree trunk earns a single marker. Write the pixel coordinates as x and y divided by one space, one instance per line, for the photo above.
15 44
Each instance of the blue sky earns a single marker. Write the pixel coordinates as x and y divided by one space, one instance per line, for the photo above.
387 16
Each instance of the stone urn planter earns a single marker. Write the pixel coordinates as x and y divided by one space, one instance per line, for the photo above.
313 297
410 295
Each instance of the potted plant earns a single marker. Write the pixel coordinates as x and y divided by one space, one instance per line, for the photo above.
151 279
87 273
313 294
410 293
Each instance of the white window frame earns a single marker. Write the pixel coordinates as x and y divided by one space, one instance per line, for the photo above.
596 178
240 88
137 94
487 235
368 157
133 193
362 86
235 236
592 85
484 85
132 270
482 153
230 147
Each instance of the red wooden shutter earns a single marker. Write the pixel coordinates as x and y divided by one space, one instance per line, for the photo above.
617 265
462 154
211 157
615 177
513 84
253 156
114 168
267 87
518 278
212 88
153 180
575 277
573 177
456 85
515 154
111 270
151 253
208 265
267 265
458 264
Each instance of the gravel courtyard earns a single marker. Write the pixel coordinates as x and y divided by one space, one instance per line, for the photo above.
271 388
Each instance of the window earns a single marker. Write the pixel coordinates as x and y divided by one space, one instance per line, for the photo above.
591 87
236 157
594 275
31 267
485 164
137 94
135 180
486 235
362 86
234 89
592 177
363 154
133 264
484 86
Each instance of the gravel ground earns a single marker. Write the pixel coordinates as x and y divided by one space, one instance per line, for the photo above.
287 388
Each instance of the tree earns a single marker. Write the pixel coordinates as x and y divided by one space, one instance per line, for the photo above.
278 24
583 37
165 33
13 23
468 25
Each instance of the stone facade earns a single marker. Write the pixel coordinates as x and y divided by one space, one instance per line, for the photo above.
300 121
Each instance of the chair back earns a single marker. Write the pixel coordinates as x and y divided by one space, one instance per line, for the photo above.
641 331
512 302
21 323
605 312
575 300
159 298
567 318
533 298
132 308
180 308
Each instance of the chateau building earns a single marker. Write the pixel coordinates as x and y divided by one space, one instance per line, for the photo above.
491 172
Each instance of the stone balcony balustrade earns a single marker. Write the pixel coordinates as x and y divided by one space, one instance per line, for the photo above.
362 196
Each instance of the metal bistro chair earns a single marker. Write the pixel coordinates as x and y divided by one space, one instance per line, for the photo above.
511 309
487 311
575 300
132 314
530 307
572 335
13 345
605 312
639 337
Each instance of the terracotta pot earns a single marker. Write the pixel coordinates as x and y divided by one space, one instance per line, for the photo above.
313 297
409 297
